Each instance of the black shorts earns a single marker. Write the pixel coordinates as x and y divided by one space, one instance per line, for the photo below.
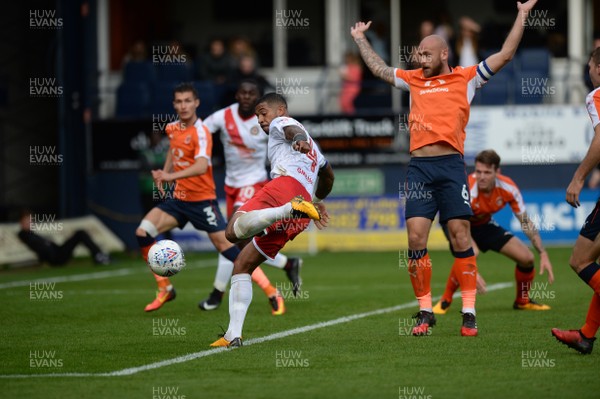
437 184
487 236
203 215
591 227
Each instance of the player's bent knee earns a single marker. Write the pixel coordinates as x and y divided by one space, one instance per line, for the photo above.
577 264
146 227
529 260
230 234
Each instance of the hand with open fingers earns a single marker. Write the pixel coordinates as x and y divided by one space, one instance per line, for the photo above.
546 265
324 222
527 6
573 191
358 30
158 181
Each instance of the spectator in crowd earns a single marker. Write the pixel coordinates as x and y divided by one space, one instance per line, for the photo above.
246 69
426 29
217 65
445 29
351 73
138 52
240 47
466 47
57 255
377 37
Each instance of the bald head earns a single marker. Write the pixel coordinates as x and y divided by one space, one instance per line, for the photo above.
434 42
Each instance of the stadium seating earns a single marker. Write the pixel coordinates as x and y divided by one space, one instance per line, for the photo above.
531 87
174 73
519 79
162 98
535 60
139 72
495 91
133 99
208 99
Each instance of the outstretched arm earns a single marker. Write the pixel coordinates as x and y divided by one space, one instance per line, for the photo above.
199 167
590 161
532 233
497 61
324 186
325 182
374 62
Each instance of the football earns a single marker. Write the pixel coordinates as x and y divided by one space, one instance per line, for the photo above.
166 258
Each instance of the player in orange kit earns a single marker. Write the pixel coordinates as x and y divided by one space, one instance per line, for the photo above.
194 198
436 179
490 192
584 257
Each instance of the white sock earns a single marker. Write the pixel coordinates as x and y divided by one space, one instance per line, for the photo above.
240 297
224 270
253 222
469 310
279 262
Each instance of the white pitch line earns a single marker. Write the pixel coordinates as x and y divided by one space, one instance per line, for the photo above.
209 352
95 275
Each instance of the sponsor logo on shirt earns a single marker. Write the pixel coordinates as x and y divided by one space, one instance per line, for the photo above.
306 176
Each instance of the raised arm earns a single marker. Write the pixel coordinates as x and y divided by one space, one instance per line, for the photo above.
497 61
374 62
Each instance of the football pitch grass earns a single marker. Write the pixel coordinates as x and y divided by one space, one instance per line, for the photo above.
346 336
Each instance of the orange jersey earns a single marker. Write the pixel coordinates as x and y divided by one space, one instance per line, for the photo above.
187 145
592 103
440 105
484 205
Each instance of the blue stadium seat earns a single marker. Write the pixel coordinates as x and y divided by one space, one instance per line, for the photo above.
535 60
208 100
132 100
174 73
486 53
531 88
495 91
509 69
139 72
162 98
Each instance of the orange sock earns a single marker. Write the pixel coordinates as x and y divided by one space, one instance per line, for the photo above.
419 268
524 277
595 283
145 244
451 285
465 265
163 282
591 276
592 320
260 278
146 248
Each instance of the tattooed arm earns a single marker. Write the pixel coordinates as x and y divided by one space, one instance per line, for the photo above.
372 60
